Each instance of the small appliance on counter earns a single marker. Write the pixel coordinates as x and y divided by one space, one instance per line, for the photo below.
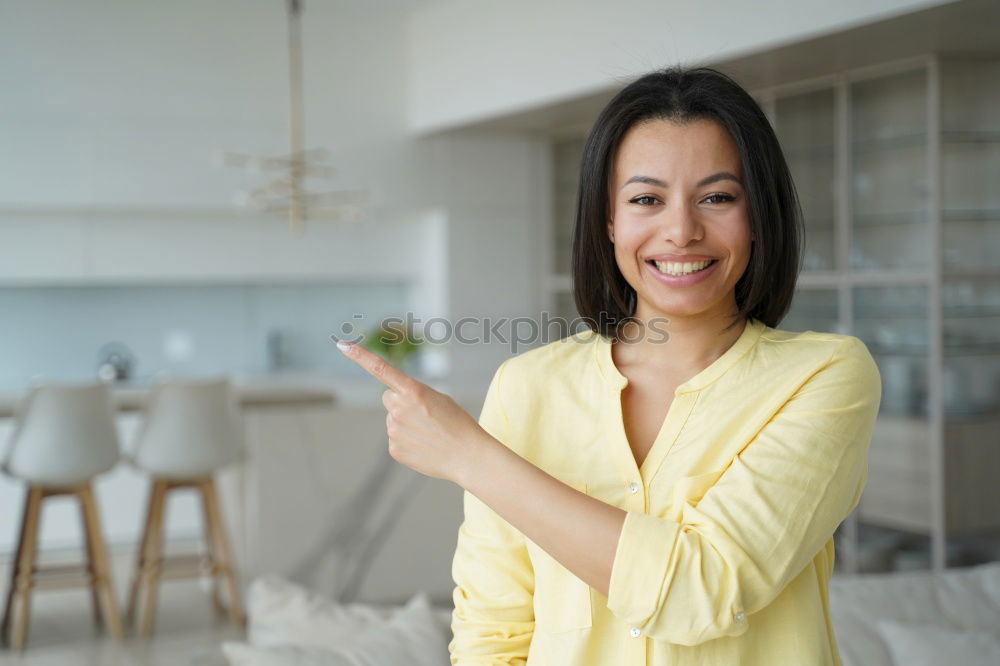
115 362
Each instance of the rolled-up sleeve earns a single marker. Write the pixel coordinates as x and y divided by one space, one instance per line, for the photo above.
493 621
767 516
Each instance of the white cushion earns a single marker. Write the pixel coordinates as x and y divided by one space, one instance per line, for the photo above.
281 612
929 645
289 624
966 598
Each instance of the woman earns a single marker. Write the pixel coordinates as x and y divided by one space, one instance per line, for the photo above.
664 487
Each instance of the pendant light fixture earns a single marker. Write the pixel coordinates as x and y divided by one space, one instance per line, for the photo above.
289 193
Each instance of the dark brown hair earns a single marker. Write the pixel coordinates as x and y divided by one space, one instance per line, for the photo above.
603 297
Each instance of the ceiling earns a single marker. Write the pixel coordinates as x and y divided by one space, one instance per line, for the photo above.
965 27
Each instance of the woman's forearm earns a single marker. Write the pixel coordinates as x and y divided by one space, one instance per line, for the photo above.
579 531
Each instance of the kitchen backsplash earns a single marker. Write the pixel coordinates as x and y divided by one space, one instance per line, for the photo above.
203 329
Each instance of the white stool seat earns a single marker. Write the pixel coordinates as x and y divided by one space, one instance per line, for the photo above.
65 435
192 428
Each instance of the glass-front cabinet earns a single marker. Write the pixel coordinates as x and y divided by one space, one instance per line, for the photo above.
911 266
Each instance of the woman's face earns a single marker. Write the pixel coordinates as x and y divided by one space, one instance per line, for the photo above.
663 207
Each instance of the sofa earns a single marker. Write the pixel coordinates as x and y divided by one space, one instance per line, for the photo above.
913 618
917 618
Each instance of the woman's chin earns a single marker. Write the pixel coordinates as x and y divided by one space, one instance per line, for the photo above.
681 308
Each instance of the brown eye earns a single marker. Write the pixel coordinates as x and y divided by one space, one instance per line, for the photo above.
644 200
724 198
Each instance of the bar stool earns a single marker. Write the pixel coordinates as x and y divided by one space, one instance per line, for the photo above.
65 435
192 428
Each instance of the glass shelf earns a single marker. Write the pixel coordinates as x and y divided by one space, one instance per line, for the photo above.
889 107
972 383
888 161
890 218
819 152
970 311
818 223
894 324
889 143
813 310
950 312
971 215
885 248
805 125
970 136
980 349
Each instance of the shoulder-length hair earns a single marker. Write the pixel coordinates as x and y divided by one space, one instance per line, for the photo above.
764 292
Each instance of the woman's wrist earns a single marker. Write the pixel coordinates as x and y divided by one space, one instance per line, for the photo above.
479 457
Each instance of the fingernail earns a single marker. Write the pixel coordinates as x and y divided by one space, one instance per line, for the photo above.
343 345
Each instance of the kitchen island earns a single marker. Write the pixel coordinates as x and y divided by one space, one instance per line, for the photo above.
317 460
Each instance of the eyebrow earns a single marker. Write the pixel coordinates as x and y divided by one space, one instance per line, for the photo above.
714 178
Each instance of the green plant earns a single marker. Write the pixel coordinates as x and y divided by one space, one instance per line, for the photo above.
393 341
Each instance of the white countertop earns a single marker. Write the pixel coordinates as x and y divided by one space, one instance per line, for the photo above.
128 398
265 390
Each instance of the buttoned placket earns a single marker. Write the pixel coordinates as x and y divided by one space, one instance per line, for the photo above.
638 478
634 650
636 495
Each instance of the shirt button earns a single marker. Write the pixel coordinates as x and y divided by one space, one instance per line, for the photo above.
739 617
633 487
634 631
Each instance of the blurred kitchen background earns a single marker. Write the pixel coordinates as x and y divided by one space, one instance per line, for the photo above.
127 242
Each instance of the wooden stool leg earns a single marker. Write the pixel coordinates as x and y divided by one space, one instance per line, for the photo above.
213 555
92 567
5 625
150 573
221 549
141 558
102 578
18 607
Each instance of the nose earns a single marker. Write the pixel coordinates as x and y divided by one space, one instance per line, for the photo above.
680 225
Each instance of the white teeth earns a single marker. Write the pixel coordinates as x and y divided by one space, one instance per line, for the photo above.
679 268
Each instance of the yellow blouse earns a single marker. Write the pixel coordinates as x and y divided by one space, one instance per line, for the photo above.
727 545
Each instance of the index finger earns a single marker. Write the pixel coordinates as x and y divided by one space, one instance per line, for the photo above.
377 366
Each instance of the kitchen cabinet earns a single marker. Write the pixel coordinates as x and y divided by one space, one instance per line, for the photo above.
325 505
76 245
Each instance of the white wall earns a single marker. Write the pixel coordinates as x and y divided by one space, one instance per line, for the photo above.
497 208
472 61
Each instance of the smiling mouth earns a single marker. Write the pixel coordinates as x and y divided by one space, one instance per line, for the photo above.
677 269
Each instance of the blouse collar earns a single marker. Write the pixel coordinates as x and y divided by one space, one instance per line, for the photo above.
609 371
